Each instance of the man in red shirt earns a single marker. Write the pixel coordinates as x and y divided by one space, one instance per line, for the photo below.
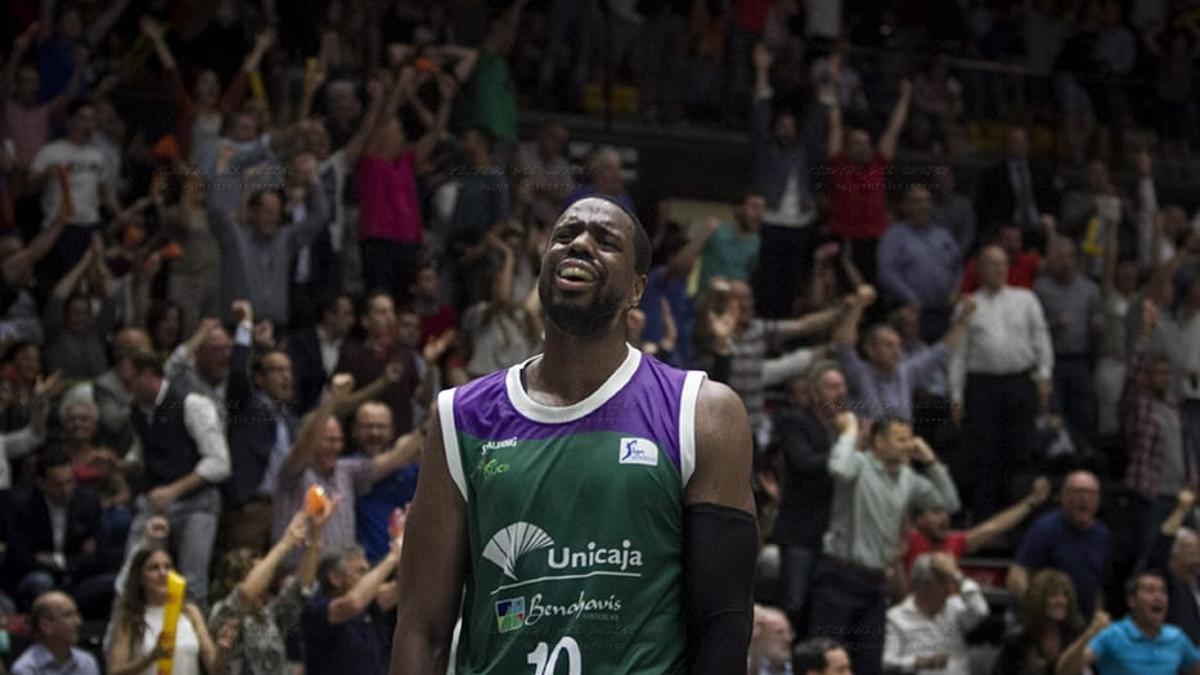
932 534
858 180
1023 266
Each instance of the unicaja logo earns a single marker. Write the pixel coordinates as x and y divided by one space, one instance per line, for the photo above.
508 545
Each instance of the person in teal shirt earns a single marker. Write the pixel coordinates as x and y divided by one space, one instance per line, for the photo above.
1141 643
730 250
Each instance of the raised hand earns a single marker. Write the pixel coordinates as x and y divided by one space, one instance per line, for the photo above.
1040 492
846 423
1186 498
243 311
49 386
436 348
151 28
342 385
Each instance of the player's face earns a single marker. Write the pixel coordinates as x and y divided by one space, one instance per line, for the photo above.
588 273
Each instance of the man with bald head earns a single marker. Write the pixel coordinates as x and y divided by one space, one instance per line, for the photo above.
373 432
1000 379
1068 539
55 621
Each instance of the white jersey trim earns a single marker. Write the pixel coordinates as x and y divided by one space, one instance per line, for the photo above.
547 414
450 440
687 423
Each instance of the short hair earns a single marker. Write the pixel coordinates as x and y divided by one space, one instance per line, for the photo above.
1131 586
923 572
818 370
41 609
49 458
642 249
335 561
750 191
373 293
884 423
872 332
327 302
257 365
809 655
143 361
257 196
1183 537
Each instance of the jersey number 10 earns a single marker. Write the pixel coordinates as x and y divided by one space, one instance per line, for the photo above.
544 660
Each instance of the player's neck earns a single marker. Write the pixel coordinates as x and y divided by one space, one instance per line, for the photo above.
571 368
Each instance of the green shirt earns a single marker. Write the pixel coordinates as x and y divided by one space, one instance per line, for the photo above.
728 253
493 103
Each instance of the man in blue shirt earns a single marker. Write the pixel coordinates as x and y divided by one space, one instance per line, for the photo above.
1068 539
372 432
920 264
55 622
336 623
1140 644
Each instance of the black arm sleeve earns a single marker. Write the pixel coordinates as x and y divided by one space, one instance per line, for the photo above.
720 548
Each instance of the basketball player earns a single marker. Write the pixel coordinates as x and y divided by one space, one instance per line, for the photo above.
594 503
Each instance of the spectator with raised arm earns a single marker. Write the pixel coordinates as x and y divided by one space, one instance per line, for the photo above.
264 611
1162 459
199 114
88 186
1176 554
182 452
390 225
21 441
871 492
258 250
374 436
316 459
928 630
1143 642
1069 539
803 434
76 335
883 383
201 365
261 429
27 120
338 632
779 163
858 179
931 531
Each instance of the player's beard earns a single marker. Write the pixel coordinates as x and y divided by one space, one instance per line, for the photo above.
580 320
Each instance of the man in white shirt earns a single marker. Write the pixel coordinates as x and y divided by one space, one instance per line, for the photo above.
927 631
181 447
87 180
1000 379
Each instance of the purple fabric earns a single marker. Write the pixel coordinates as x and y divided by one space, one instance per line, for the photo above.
647 407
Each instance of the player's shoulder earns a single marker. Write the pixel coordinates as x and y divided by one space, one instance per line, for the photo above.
719 410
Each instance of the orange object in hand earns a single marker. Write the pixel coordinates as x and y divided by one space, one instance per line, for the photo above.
133 235
315 500
171 251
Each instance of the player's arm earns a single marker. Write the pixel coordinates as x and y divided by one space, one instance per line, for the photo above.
432 569
720 536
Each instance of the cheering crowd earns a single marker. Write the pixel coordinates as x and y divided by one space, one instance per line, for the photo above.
244 245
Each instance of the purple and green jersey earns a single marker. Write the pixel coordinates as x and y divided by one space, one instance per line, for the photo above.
575 521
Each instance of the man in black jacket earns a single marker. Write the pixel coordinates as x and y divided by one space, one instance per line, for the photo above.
53 530
261 430
1016 190
1176 554
314 351
803 436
